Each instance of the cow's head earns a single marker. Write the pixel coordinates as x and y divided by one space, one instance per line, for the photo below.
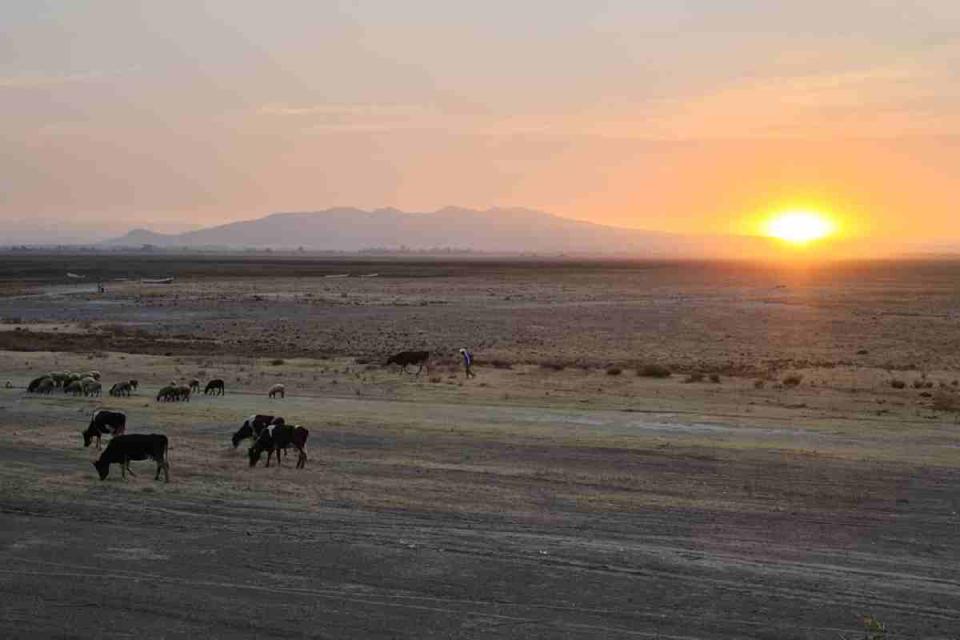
243 432
103 468
87 437
254 453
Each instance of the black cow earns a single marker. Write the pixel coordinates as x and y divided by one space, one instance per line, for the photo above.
276 438
405 358
215 387
137 446
104 422
252 427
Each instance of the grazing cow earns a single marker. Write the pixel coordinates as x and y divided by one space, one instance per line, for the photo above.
120 389
195 386
183 393
277 389
138 446
35 383
406 358
252 427
104 422
215 387
92 388
45 387
276 438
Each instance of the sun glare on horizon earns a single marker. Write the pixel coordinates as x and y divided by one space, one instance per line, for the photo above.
799 227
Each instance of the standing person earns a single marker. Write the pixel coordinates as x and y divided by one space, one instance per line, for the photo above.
467 362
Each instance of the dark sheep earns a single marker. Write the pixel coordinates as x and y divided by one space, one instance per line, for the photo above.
35 383
215 387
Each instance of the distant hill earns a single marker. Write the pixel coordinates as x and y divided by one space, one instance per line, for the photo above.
498 230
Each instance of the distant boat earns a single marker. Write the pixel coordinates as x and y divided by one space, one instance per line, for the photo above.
370 275
337 275
75 276
156 280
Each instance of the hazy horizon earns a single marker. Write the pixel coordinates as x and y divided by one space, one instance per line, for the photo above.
690 119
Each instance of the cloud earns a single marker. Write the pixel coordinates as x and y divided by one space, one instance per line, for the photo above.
38 80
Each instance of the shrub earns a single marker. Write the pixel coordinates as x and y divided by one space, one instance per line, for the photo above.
694 377
501 364
653 371
945 401
614 371
715 378
793 380
898 384
759 384
553 365
277 362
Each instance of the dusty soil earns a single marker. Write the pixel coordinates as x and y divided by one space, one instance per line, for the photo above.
548 499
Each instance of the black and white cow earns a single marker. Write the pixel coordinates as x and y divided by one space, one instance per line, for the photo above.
104 422
137 446
276 438
252 427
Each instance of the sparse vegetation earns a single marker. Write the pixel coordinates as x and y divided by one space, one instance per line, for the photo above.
945 401
793 380
759 384
653 371
614 371
694 377
277 362
715 378
898 384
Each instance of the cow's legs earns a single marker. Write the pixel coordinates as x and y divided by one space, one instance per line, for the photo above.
123 468
129 469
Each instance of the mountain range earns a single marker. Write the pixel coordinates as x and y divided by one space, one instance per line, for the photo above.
496 230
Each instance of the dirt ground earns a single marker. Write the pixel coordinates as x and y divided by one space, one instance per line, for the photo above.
549 497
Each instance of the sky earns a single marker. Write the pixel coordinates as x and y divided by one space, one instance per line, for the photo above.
697 116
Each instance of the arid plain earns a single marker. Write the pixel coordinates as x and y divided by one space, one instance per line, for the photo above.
795 474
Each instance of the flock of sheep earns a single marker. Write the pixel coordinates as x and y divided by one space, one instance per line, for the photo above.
86 384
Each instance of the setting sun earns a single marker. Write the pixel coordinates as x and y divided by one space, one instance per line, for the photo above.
799 227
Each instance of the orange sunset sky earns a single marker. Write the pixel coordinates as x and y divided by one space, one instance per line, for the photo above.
696 117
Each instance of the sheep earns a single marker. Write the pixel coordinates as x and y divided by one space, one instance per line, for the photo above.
91 388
